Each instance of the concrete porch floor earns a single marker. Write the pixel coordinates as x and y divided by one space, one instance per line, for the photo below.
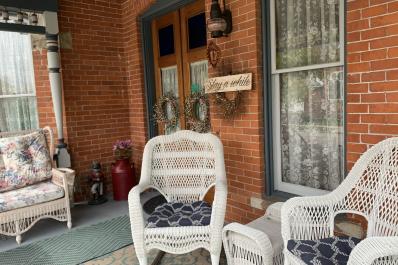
82 215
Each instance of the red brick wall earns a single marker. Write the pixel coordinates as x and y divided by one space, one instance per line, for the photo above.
372 63
95 83
243 135
43 90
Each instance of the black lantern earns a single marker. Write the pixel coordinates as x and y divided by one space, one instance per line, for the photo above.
220 22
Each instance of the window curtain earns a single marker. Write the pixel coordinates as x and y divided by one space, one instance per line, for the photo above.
311 111
17 84
170 86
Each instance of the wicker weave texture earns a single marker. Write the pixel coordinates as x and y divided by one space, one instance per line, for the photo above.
18 221
182 166
371 190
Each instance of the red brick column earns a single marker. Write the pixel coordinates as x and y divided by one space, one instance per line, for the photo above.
372 62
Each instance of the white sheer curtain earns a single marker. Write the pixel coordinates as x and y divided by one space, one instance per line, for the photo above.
17 83
311 101
170 86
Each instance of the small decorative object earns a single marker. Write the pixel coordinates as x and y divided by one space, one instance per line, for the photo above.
161 110
229 106
220 22
97 184
34 19
193 102
123 177
229 83
19 18
213 53
5 15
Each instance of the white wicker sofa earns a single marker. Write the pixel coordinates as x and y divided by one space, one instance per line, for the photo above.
26 200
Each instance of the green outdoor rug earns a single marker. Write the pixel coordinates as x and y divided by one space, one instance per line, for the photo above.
74 247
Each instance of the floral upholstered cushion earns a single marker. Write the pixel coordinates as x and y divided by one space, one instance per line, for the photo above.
30 195
26 161
176 214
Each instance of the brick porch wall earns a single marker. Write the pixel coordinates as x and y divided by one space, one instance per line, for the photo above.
104 86
372 62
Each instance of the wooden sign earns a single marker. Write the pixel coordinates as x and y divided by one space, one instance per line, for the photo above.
229 83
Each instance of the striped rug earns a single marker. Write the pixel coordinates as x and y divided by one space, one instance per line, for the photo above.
74 247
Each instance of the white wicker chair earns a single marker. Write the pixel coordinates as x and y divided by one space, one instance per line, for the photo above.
370 190
257 243
18 221
182 166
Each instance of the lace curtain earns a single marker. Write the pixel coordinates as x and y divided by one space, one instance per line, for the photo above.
17 84
307 33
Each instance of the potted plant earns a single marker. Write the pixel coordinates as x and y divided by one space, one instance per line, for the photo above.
123 178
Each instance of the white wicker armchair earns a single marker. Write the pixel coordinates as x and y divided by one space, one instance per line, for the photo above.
370 190
17 221
182 166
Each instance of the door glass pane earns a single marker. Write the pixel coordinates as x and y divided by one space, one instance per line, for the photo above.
307 32
170 86
199 75
197 31
166 40
312 136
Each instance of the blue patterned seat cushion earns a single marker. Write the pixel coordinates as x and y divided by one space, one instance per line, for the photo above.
327 251
175 214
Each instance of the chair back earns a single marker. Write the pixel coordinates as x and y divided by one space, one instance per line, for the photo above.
47 131
372 187
183 166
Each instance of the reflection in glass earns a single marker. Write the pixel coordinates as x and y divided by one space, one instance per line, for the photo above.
17 83
312 128
166 40
307 32
197 31
170 86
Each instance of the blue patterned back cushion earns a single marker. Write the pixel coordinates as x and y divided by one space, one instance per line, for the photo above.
175 214
327 251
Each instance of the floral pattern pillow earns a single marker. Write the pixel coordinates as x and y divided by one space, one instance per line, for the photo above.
26 161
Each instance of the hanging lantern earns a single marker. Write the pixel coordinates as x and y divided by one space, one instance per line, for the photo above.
220 22
19 18
5 15
34 19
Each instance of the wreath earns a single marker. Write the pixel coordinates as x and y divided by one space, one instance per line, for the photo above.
160 110
191 102
229 106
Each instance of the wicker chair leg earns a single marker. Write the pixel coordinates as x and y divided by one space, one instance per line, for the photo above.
18 239
215 259
143 261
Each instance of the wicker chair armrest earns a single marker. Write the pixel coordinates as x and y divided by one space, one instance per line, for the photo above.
65 179
218 213
373 248
263 246
308 217
137 216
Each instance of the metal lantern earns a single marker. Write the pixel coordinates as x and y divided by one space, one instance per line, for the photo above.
220 22
34 19
19 18
5 15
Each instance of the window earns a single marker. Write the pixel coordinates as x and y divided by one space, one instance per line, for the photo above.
307 88
18 109
180 62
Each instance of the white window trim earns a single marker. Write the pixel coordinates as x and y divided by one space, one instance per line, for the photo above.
279 185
